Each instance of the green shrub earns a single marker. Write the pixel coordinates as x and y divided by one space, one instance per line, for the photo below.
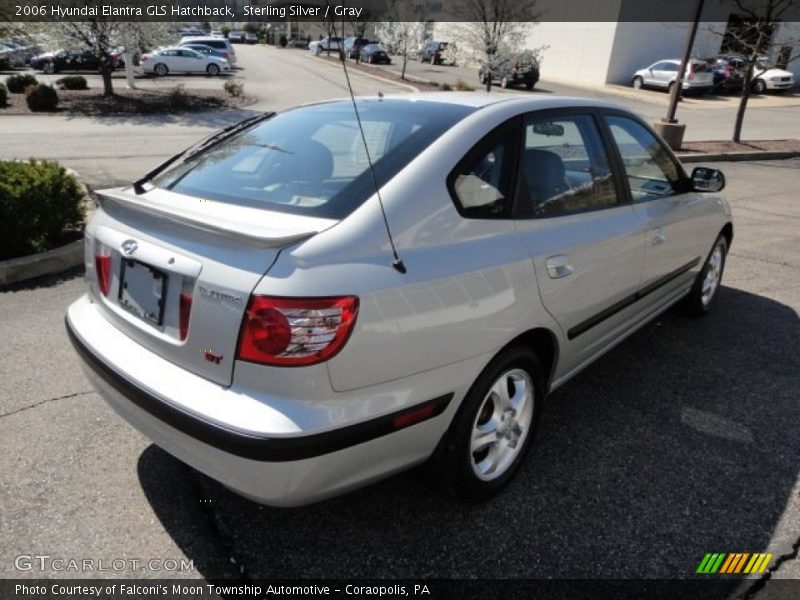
3 95
73 82
16 84
225 30
41 98
233 89
39 202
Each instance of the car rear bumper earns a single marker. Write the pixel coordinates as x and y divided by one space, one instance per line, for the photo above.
275 469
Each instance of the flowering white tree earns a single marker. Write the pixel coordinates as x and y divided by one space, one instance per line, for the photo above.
490 33
106 39
406 29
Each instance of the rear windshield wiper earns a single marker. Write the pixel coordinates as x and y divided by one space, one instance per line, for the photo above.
202 146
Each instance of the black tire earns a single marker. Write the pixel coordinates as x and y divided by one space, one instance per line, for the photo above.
637 83
504 82
455 461
212 70
161 69
49 68
372 59
481 78
529 85
759 86
697 304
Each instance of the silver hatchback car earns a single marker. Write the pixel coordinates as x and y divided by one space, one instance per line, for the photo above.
313 300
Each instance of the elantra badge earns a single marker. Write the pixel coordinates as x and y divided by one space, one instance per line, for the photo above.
129 247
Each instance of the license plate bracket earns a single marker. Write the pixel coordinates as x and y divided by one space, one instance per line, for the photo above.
142 291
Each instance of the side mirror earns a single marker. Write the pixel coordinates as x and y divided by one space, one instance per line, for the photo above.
707 180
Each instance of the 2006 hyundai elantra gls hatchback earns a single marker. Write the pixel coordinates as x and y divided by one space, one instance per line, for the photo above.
313 300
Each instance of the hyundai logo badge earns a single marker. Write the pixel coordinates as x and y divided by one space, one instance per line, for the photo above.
129 247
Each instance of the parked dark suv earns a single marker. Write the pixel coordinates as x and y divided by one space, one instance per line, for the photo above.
518 70
432 52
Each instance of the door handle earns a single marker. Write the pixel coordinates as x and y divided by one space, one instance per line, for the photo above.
558 266
658 237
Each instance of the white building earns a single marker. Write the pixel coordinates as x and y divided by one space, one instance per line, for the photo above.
600 52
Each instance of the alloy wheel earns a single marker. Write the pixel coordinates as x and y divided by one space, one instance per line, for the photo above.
502 424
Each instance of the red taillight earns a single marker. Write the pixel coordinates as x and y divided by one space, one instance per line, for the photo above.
185 307
295 331
102 265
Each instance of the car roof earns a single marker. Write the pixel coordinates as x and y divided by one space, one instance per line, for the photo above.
483 99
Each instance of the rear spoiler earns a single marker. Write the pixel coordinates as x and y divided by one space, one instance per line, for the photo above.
249 233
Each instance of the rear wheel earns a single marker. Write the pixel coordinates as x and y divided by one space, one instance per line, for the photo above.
49 68
212 70
504 82
493 429
706 286
161 69
637 83
529 85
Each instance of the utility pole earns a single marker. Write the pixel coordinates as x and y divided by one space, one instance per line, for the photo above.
669 127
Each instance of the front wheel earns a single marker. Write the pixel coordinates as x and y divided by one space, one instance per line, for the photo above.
493 429
706 285
637 83
49 68
529 85
161 69
212 70
504 82
759 86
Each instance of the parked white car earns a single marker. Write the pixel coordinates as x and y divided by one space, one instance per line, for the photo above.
328 43
260 311
219 43
182 60
771 79
663 74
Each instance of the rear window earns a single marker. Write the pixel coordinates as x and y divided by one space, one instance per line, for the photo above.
312 160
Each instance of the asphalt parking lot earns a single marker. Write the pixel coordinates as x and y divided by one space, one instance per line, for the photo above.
681 441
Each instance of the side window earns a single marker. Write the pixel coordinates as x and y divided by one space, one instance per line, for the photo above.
564 167
650 170
481 184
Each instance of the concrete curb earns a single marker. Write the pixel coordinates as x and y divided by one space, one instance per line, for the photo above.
373 76
738 156
53 261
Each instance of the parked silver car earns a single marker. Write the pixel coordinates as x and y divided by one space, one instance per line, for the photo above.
663 74
257 309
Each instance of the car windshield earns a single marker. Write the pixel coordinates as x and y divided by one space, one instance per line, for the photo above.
312 160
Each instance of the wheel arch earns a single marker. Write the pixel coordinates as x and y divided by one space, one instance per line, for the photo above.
727 231
545 344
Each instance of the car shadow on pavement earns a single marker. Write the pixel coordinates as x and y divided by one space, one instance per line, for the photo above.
681 441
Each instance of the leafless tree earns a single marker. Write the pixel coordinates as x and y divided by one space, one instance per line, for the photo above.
753 38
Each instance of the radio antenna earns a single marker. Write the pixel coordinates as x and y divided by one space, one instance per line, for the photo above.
397 263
